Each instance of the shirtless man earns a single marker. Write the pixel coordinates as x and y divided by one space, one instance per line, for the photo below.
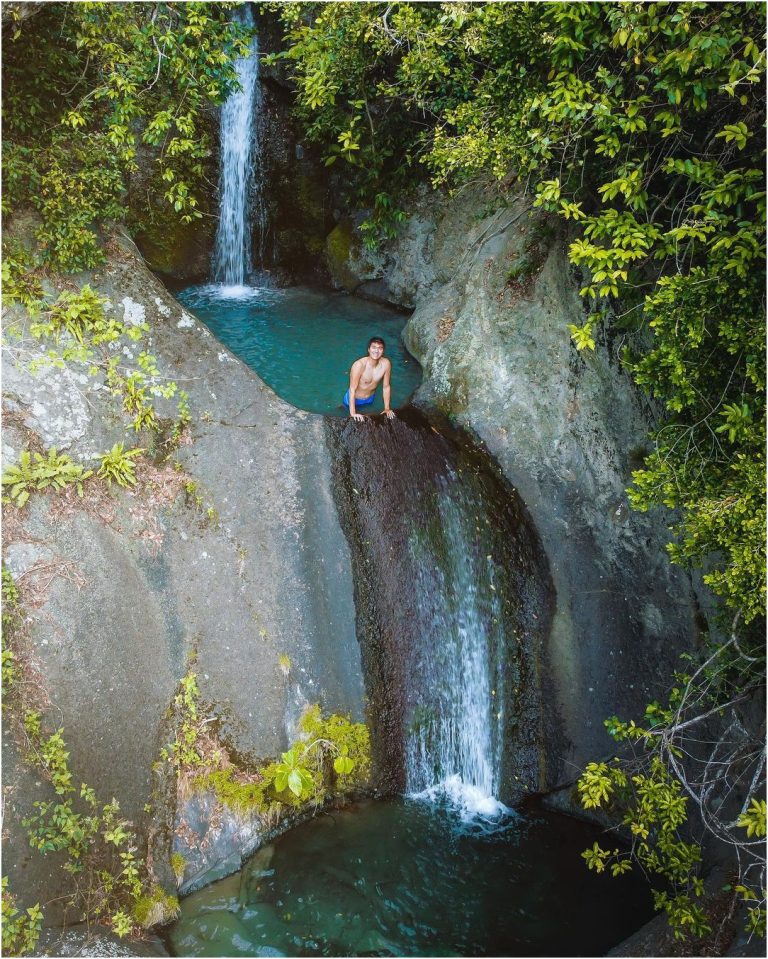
365 376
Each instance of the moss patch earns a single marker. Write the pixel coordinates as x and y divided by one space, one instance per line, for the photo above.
155 908
343 249
176 249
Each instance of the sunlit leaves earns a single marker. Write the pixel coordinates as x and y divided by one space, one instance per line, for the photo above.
753 819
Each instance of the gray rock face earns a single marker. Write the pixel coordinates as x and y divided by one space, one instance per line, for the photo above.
493 296
130 583
96 941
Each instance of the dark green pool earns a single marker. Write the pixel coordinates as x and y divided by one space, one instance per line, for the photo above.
302 342
405 878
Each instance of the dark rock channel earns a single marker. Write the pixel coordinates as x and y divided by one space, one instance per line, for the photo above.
389 481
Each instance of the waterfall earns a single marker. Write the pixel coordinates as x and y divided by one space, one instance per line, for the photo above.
455 734
241 183
453 592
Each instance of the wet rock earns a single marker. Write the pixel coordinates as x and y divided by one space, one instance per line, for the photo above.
96 941
213 845
421 506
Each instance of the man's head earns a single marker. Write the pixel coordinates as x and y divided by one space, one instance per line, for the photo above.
375 347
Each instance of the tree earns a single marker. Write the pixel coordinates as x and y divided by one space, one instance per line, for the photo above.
86 86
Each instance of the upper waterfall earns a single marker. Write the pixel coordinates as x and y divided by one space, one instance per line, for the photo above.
241 183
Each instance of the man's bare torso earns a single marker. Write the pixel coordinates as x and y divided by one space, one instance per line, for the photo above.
371 374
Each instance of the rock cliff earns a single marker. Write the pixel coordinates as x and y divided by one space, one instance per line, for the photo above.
493 295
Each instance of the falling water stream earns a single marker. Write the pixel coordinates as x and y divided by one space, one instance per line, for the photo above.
241 184
455 738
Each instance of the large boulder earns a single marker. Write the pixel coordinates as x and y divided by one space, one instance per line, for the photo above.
229 553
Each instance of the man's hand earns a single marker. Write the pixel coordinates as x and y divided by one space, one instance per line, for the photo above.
390 414
357 416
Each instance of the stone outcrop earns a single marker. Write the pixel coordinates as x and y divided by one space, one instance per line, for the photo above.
235 558
493 295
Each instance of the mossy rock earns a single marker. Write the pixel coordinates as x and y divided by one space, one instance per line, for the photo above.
155 908
348 263
310 200
177 249
338 248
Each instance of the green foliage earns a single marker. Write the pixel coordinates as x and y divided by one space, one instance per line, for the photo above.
81 314
35 473
291 773
709 458
183 751
99 844
583 336
654 810
11 617
753 818
332 755
87 88
20 281
663 773
380 86
347 741
21 930
118 465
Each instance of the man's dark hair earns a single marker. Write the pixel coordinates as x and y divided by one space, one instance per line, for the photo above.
377 339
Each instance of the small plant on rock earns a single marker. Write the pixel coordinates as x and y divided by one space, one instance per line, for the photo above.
155 908
118 465
20 283
11 617
292 774
99 845
178 864
21 930
81 314
36 472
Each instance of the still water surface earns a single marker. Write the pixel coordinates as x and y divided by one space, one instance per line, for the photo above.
302 341
407 878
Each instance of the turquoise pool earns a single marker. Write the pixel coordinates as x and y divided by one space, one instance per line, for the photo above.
302 341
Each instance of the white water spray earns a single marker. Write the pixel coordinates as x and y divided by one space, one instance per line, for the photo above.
453 745
241 185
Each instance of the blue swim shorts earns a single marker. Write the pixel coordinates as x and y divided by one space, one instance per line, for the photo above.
358 403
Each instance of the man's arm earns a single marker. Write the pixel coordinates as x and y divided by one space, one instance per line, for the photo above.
354 379
386 389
